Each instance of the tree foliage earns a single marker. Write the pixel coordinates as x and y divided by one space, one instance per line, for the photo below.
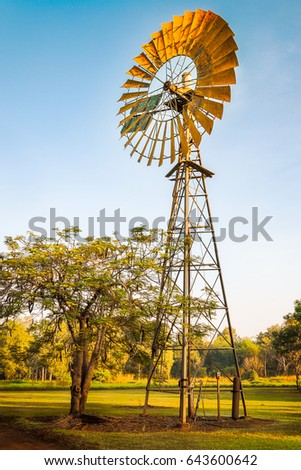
15 341
287 341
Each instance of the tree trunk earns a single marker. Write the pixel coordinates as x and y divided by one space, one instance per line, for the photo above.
82 369
76 374
89 371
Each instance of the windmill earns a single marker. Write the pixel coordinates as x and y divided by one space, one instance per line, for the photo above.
176 89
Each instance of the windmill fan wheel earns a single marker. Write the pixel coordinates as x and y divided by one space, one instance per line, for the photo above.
177 86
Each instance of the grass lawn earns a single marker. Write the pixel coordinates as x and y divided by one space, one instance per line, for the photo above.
280 405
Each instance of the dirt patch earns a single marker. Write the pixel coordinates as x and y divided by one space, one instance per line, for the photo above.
12 438
140 423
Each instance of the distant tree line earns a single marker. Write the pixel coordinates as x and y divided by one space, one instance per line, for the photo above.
87 311
25 353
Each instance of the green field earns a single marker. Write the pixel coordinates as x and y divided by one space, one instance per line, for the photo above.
280 405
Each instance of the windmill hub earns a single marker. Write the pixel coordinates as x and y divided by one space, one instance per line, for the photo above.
181 96
168 86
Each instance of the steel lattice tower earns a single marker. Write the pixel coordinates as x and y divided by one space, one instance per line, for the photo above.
193 272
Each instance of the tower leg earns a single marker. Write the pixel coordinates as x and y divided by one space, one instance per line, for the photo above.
235 398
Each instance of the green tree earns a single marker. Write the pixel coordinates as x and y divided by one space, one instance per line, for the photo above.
99 290
249 360
49 354
287 341
247 348
273 363
14 344
220 355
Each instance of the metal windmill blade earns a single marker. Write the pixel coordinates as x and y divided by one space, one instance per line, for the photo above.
181 80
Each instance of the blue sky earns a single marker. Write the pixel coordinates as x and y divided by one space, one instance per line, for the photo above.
62 64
